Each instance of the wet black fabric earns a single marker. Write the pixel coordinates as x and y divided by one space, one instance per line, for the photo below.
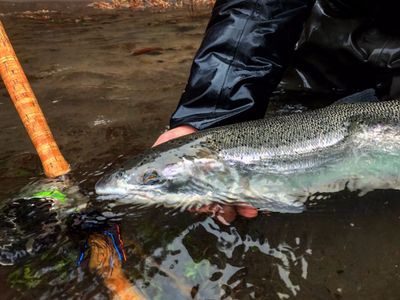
246 48
343 46
368 95
343 50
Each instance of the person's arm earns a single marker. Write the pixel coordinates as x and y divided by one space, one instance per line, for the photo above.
246 48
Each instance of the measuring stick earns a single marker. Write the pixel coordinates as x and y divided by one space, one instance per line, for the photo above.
28 108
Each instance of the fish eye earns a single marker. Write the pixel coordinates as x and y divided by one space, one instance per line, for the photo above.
151 177
120 174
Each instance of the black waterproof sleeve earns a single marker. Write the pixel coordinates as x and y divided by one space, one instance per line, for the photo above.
246 48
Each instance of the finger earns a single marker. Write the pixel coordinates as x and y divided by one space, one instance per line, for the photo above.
174 133
162 139
247 211
226 215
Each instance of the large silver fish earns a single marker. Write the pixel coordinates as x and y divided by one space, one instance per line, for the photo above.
274 164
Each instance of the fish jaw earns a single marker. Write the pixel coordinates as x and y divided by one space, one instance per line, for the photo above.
112 187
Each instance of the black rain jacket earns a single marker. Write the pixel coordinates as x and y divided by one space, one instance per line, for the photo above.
323 48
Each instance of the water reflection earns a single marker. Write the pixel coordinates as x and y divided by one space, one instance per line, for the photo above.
216 260
344 246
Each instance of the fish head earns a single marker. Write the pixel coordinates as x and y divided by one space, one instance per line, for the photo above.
149 176
142 174
174 175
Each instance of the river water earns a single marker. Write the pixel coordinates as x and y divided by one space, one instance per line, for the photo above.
107 82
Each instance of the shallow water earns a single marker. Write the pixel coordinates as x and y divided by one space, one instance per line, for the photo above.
104 105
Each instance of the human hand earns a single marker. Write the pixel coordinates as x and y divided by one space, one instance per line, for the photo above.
224 213
174 133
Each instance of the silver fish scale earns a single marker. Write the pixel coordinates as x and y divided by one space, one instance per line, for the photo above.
297 134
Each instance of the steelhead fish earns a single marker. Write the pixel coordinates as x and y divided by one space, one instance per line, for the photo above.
274 164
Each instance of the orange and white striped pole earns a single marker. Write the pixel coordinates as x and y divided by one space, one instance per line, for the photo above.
28 108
